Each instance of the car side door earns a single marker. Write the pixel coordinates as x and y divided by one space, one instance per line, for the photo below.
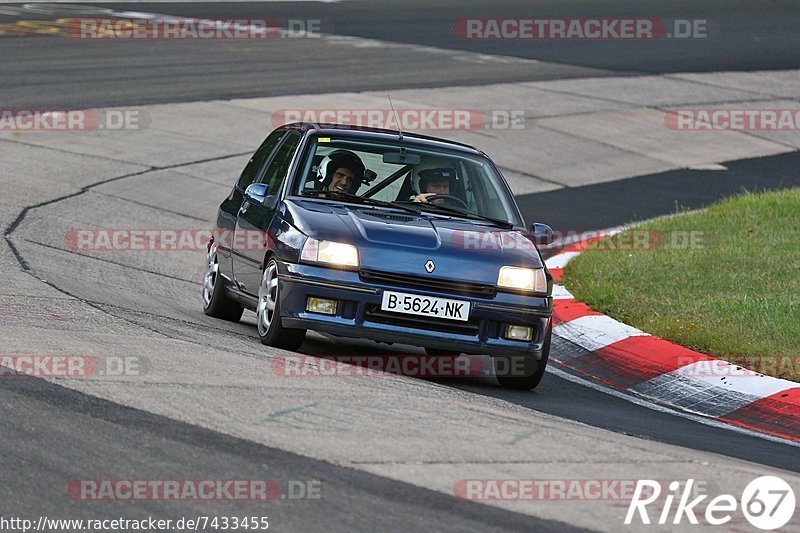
250 240
229 209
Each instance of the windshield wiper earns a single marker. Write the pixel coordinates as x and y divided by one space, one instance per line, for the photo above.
468 214
361 199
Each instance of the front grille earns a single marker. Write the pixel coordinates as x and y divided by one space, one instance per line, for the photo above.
463 288
374 314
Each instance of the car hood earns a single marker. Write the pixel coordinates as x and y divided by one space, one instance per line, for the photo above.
400 242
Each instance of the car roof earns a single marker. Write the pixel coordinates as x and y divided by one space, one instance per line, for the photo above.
364 132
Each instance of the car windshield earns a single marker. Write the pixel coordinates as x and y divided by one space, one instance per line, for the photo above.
437 182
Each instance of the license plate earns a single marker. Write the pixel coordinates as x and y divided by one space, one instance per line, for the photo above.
414 304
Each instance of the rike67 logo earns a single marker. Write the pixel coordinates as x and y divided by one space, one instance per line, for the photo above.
767 503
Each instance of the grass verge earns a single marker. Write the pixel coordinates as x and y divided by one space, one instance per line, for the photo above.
724 281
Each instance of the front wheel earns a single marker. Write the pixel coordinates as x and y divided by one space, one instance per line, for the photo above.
268 314
520 372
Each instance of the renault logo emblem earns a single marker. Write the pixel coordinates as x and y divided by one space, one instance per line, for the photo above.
429 266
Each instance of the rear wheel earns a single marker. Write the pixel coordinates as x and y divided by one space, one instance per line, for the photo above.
521 372
268 314
215 302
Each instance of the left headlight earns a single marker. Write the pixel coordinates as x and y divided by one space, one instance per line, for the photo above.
332 253
524 279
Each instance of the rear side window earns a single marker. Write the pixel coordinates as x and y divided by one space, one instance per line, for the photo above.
256 163
279 166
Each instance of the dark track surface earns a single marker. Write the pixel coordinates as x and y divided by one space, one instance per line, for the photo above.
60 71
52 435
741 35
605 205
560 397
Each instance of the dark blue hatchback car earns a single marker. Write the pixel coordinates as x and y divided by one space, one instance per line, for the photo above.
382 235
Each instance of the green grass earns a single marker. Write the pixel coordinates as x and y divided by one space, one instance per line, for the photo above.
735 294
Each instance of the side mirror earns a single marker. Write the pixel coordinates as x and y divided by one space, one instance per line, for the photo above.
542 234
256 193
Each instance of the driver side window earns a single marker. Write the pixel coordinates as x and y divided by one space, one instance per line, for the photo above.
261 156
277 169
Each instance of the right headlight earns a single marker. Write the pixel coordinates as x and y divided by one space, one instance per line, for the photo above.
333 253
522 279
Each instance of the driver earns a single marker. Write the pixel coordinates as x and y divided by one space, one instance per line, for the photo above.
434 181
341 171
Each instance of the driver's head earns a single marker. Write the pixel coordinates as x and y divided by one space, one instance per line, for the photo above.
343 171
342 180
436 180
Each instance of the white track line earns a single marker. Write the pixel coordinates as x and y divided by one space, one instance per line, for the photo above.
593 332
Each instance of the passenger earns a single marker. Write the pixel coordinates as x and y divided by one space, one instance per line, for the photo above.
341 171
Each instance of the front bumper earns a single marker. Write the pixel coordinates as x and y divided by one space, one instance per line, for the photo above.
358 314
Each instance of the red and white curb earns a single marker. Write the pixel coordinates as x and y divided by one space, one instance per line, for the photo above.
625 358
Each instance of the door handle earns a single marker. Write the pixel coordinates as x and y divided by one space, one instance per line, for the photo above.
243 209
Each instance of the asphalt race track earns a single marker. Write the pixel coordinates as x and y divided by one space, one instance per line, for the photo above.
756 37
205 401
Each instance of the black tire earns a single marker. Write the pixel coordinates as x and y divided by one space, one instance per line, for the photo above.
268 320
520 372
216 302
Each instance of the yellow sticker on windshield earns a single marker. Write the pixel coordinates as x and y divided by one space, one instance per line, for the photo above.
324 140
